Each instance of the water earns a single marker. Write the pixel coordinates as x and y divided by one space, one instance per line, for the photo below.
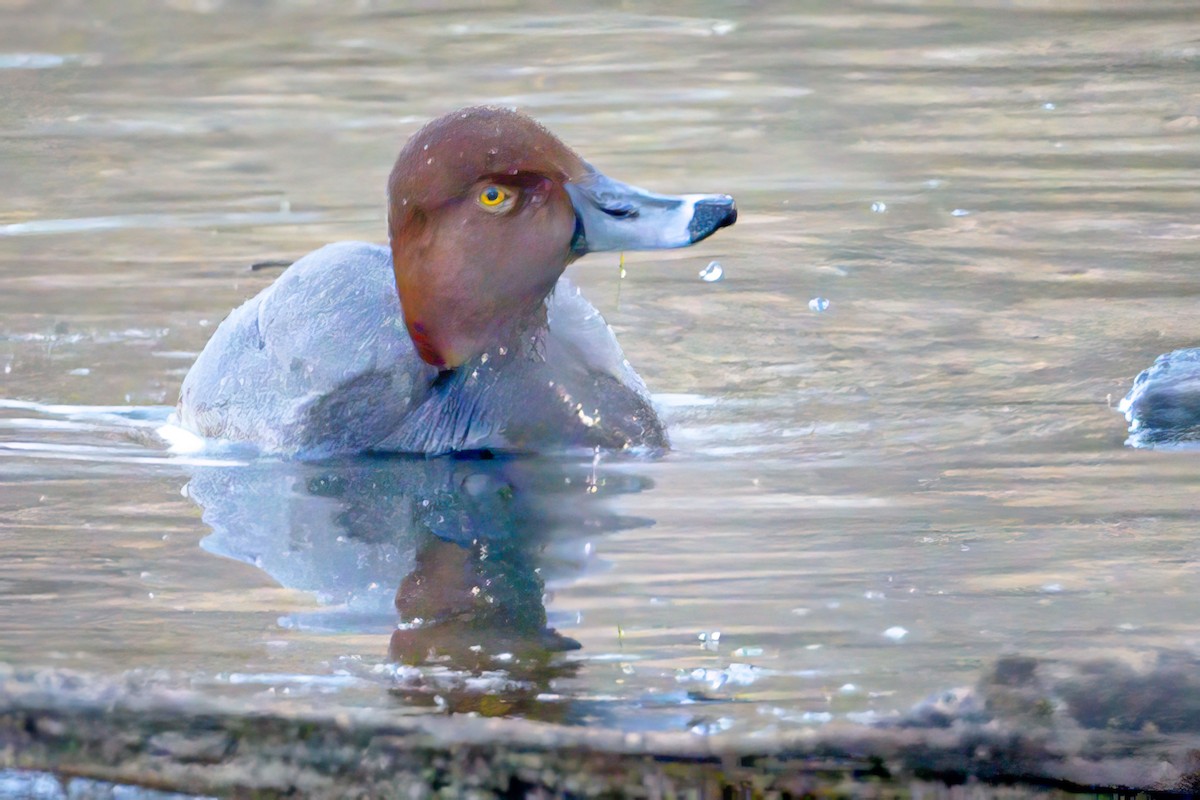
712 272
890 497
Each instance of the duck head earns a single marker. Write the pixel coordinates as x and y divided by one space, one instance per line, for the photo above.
486 208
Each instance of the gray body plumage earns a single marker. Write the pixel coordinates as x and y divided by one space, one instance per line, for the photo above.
320 364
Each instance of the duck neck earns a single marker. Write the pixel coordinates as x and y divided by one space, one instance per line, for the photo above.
522 339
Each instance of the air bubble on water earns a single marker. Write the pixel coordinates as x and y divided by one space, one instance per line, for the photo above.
818 304
1049 106
82 371
934 183
748 652
1052 588
896 633
848 688
879 207
7 369
713 272
960 212
871 594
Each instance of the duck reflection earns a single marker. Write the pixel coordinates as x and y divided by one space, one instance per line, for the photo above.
452 555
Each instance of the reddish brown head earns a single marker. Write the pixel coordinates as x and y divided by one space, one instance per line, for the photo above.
481 228
485 210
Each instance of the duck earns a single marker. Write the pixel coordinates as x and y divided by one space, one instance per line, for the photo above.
461 335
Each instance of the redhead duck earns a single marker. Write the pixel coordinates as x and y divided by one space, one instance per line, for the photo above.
462 335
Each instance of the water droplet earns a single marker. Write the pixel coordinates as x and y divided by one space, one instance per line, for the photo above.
713 272
748 652
429 161
879 207
818 304
960 212
895 633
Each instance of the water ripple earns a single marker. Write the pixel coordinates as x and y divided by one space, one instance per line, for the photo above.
42 227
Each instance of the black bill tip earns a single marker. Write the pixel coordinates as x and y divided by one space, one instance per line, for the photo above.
710 215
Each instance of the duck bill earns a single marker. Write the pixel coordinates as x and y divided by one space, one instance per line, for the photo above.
610 215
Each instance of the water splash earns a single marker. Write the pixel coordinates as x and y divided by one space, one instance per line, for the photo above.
713 272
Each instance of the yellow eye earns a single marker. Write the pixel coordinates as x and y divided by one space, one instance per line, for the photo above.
492 196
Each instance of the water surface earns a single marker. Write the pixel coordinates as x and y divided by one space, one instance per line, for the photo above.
868 504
